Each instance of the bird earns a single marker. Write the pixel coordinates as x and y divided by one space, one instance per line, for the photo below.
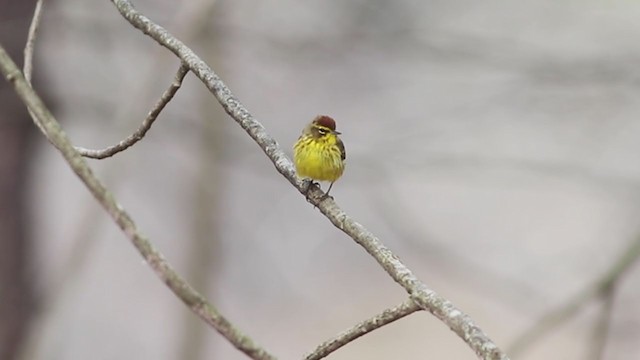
319 153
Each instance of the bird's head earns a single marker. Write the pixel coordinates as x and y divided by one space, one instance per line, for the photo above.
323 125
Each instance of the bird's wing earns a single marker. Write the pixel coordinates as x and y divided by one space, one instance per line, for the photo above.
343 152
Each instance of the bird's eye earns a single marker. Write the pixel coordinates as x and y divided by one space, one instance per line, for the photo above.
322 131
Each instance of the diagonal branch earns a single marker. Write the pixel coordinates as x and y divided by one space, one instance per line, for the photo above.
153 257
146 123
386 317
426 298
571 308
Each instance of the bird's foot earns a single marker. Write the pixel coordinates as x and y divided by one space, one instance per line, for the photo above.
310 183
326 196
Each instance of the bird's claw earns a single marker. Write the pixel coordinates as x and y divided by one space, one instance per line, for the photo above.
326 196
310 183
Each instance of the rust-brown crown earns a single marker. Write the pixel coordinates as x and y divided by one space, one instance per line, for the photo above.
325 121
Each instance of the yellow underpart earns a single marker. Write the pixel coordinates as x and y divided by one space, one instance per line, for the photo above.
318 158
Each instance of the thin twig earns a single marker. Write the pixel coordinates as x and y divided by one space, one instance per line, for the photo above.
426 298
386 317
31 41
146 124
196 302
565 312
29 49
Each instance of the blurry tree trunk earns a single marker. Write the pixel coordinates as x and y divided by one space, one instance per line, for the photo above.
204 255
17 133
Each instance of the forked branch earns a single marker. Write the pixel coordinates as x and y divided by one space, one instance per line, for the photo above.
196 302
423 296
601 286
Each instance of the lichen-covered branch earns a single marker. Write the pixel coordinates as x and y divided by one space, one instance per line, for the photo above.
426 298
153 257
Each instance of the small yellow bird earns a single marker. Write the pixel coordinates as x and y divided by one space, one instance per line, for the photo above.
319 153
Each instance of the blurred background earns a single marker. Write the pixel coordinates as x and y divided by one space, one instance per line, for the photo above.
492 145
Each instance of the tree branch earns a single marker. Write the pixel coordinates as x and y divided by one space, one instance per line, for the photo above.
29 49
386 317
426 298
146 124
31 40
153 257
565 312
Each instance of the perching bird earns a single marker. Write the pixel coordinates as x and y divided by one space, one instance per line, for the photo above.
319 153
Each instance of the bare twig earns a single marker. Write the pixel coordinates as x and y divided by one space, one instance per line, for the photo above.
426 298
572 307
29 48
386 317
31 41
196 302
146 124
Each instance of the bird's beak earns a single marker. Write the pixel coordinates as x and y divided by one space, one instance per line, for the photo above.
337 132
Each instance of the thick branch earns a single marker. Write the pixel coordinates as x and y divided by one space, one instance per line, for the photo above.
146 123
426 298
386 317
154 258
